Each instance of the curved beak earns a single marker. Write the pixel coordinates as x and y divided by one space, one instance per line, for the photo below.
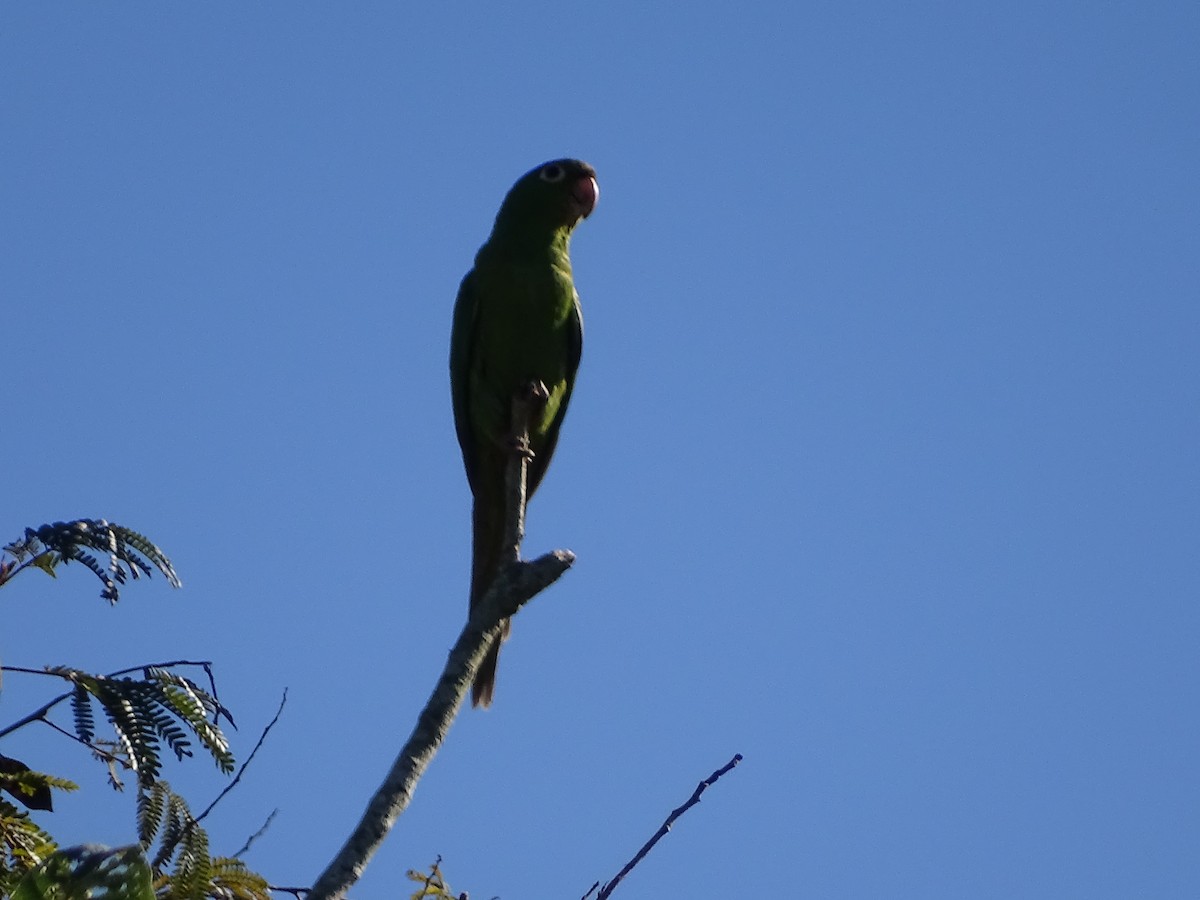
585 193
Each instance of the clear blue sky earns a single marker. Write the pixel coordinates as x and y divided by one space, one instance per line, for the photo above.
882 467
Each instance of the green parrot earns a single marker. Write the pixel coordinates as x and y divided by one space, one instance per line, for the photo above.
517 322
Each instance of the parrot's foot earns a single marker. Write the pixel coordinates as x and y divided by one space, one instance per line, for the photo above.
527 404
518 445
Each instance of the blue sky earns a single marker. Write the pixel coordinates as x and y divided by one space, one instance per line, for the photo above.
881 468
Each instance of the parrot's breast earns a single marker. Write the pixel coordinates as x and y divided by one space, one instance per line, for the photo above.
525 331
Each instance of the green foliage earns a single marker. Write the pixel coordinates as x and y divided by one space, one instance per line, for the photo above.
130 555
153 711
166 815
231 880
31 789
80 873
23 845
183 868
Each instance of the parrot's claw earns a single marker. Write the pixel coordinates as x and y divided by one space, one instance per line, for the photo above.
528 402
519 445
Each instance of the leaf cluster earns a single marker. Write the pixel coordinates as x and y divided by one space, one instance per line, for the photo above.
182 865
130 554
23 845
160 709
132 721
162 712
118 874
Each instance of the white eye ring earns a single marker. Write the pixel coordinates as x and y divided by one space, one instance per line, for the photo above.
553 173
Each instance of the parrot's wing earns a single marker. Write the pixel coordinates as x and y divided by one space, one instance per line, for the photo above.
537 466
463 339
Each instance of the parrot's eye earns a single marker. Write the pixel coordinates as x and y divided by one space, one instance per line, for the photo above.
553 173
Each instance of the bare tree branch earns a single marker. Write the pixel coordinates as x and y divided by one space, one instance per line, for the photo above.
608 888
518 583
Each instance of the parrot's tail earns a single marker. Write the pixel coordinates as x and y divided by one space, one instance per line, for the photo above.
485 679
488 540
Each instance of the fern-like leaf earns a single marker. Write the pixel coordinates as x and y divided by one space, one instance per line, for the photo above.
23 846
163 716
194 705
193 867
189 701
31 789
177 821
81 710
186 842
191 704
150 551
151 805
110 592
122 707
231 879
162 708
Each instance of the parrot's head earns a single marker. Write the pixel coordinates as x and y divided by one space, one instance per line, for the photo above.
555 195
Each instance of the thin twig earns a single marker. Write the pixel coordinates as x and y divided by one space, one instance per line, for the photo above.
254 837
433 873
249 759
607 890
194 822
219 707
297 892
518 583
103 754
9 574
21 670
